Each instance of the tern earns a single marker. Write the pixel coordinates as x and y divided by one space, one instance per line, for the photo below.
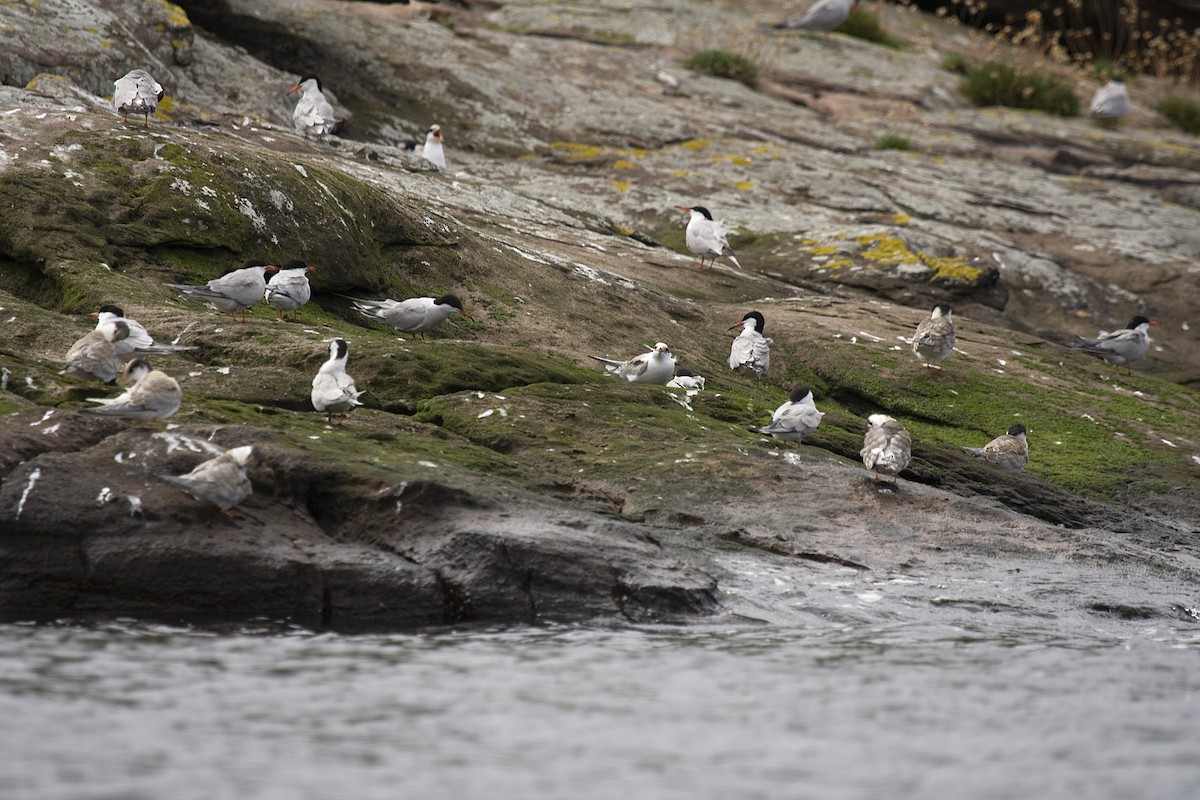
656 366
136 93
1111 101
706 237
313 114
94 355
235 291
686 379
138 341
822 16
1120 347
333 391
153 395
887 447
432 151
934 339
221 481
414 315
750 353
289 289
796 418
1010 451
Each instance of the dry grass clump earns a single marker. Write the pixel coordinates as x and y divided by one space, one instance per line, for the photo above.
1111 39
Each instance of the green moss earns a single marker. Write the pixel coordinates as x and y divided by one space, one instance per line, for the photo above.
893 141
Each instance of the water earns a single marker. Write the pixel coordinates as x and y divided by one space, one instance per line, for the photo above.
961 708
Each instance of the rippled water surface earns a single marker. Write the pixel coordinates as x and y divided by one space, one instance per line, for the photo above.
137 711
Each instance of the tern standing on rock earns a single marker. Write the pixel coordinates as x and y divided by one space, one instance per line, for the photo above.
136 93
94 355
706 237
750 353
313 114
235 291
887 447
153 395
822 16
1120 347
934 339
414 315
333 391
796 418
221 481
433 152
657 366
289 289
1111 101
1010 451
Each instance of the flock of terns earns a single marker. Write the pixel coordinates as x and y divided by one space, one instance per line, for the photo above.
118 346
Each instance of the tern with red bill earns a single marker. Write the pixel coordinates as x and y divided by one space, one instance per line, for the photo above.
234 291
1120 348
706 237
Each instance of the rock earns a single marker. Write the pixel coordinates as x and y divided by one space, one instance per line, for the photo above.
495 474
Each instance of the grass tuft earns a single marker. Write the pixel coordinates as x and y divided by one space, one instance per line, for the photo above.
1183 112
998 83
724 64
862 24
893 141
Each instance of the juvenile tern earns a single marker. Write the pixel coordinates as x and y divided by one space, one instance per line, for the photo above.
656 366
136 93
1120 347
706 236
333 391
235 291
138 341
221 481
934 339
1010 450
414 315
750 353
94 355
153 395
313 114
887 447
796 418
289 289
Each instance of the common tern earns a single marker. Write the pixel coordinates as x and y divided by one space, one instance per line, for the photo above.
656 366
686 379
822 16
706 237
138 341
1120 347
313 114
1010 451
934 339
1111 101
887 447
221 481
94 355
136 93
235 291
414 315
289 289
796 418
152 395
333 391
433 150
750 353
